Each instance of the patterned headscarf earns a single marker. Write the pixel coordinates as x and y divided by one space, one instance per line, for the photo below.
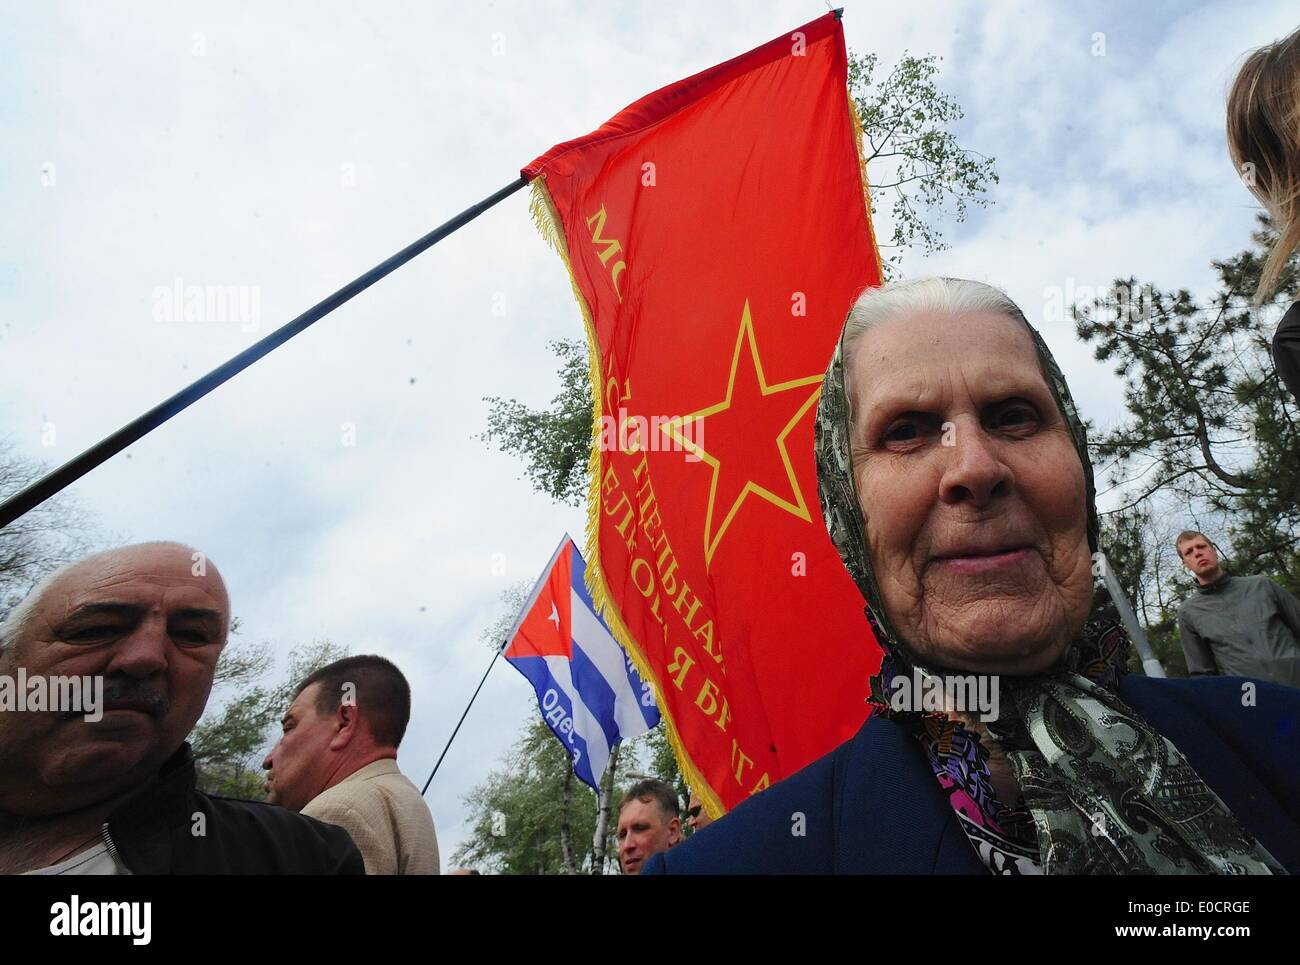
1107 793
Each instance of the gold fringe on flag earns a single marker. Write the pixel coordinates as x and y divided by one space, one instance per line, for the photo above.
548 223
858 138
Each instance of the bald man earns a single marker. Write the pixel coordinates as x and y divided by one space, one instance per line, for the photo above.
113 791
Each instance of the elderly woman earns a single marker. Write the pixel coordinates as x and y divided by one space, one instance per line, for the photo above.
956 485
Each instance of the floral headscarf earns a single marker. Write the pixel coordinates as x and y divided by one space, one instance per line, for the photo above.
1101 790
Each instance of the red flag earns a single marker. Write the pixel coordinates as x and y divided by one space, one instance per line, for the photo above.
717 232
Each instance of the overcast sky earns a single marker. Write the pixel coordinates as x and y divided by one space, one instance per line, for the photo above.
288 147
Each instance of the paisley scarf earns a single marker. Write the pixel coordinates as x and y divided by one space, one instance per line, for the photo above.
1101 791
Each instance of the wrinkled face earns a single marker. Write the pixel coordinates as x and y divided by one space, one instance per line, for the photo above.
297 768
696 816
643 832
973 493
151 621
1200 557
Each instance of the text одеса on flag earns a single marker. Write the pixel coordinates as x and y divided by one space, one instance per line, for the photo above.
587 689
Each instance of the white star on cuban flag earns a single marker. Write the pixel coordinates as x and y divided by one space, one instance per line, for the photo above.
587 689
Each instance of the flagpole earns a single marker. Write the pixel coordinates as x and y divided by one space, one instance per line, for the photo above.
523 612
500 649
41 490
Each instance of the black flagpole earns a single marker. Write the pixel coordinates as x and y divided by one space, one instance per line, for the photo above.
500 649
41 490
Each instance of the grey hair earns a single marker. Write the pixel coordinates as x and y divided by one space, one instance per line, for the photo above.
12 627
917 296
17 620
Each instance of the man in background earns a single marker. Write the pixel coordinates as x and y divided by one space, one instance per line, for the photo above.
696 816
337 762
1237 626
649 821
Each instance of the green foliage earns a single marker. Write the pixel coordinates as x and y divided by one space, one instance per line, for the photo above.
913 158
230 742
519 811
1211 439
554 443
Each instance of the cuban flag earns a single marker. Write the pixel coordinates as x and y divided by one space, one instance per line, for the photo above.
588 690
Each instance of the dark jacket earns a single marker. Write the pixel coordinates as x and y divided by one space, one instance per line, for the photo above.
171 827
1286 350
873 806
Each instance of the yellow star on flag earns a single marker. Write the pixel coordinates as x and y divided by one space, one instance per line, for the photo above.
746 389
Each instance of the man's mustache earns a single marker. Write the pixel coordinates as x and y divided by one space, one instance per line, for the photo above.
135 693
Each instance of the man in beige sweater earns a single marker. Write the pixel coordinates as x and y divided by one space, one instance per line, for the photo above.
337 762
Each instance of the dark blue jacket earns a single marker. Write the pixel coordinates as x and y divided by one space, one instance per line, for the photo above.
873 806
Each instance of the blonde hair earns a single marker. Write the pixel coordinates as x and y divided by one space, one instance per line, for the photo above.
1264 143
